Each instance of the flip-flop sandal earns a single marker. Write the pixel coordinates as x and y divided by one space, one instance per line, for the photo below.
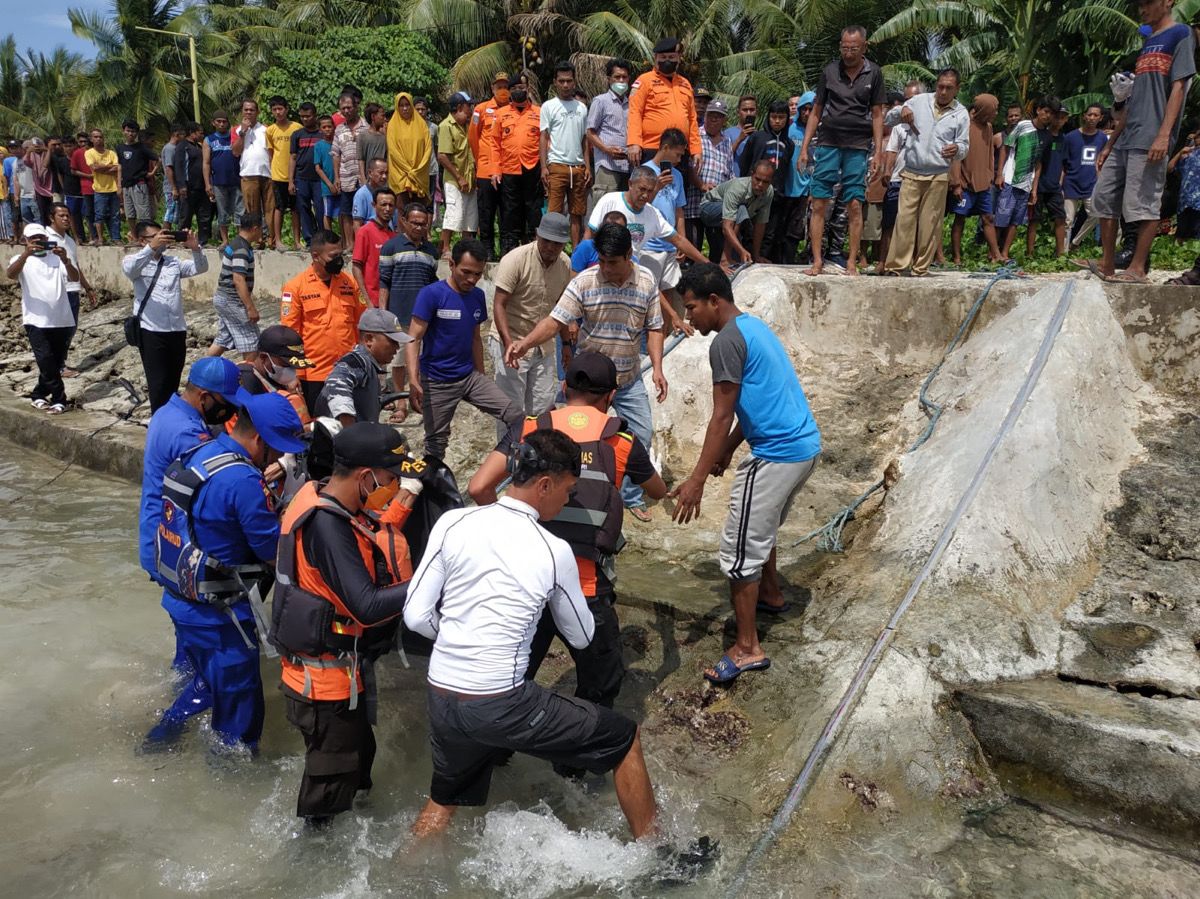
727 670
641 513
1094 267
767 608
39 403
1126 278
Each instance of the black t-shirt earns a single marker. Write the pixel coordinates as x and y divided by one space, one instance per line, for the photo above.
135 162
304 144
638 466
64 182
846 105
189 165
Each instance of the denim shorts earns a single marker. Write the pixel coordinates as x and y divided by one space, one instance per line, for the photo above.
1012 210
974 202
834 164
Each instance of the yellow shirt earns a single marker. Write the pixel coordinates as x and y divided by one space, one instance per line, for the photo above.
279 144
3 186
101 183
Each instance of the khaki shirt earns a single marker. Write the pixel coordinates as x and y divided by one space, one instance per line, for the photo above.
452 140
534 288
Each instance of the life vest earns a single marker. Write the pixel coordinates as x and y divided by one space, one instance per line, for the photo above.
318 638
183 566
591 520
296 399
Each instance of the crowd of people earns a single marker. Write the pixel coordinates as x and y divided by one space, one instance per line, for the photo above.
277 469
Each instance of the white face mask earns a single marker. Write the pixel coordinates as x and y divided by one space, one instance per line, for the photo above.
281 374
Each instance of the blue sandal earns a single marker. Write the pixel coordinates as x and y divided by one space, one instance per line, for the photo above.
728 671
767 608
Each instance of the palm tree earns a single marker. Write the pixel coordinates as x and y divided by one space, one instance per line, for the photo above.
37 90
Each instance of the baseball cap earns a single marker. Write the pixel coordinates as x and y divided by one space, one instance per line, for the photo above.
381 321
501 76
667 45
276 420
591 373
717 107
554 227
370 444
218 375
701 93
459 97
284 343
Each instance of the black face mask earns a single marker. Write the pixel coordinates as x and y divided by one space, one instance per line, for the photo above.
218 413
336 264
668 66
518 97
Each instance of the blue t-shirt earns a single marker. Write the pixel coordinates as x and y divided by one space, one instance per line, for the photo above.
1189 187
771 406
174 428
224 165
671 198
323 159
585 255
9 162
732 133
235 521
797 184
1079 163
363 207
447 350
1050 180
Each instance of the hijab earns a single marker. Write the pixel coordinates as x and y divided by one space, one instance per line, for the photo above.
979 166
408 151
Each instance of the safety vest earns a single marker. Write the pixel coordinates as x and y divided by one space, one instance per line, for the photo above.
591 520
183 566
318 638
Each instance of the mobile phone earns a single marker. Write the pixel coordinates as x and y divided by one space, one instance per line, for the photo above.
748 120
666 166
179 235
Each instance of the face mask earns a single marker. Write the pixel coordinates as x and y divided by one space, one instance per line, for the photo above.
620 88
335 265
218 413
281 374
377 499
668 66
519 97
502 96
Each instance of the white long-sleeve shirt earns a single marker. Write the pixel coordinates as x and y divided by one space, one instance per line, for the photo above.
164 312
486 576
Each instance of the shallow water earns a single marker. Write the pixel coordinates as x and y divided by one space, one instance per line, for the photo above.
87 651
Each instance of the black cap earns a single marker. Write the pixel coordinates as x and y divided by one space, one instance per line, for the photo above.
591 373
667 45
284 343
369 444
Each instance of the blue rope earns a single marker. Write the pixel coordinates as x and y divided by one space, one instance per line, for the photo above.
829 535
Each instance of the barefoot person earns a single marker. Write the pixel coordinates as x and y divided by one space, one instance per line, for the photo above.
753 379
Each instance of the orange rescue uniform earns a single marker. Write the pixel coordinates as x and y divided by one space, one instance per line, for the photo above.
657 103
325 316
515 140
482 121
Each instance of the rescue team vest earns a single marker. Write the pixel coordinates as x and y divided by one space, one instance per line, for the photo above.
317 636
183 566
591 520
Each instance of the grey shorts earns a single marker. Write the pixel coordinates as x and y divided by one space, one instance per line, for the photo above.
1129 187
235 331
229 204
761 498
469 736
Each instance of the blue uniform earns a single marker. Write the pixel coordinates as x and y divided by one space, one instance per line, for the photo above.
235 521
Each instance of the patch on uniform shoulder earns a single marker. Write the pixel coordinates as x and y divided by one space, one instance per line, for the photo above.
285 303
577 420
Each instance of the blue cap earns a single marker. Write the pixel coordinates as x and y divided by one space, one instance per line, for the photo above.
216 375
276 421
808 98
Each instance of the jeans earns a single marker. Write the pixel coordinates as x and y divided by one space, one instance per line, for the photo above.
632 403
81 216
49 347
229 204
163 354
308 201
107 210
29 211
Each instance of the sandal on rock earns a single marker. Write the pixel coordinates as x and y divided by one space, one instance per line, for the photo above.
727 671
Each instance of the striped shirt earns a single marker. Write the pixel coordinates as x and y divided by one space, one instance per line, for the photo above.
614 316
716 165
237 258
404 269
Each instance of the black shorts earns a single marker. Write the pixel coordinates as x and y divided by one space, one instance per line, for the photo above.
469 736
284 200
1187 226
1050 208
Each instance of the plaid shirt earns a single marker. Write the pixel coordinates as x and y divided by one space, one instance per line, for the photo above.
716 165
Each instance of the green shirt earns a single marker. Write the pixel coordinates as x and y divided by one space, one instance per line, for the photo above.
452 140
737 192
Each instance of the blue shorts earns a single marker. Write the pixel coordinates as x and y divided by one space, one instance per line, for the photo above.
332 204
345 204
974 202
834 164
1013 209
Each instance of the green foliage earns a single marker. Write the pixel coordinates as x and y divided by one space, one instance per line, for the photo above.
379 61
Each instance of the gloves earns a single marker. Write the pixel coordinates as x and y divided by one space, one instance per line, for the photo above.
1122 86
412 485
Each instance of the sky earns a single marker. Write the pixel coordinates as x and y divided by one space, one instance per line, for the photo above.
43 26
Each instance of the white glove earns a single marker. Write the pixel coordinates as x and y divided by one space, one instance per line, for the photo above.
412 485
1122 86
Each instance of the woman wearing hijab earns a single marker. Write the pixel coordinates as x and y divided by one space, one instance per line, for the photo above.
976 175
409 151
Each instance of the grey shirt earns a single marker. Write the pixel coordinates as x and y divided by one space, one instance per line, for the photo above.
1166 57
352 388
372 145
164 311
737 192
607 116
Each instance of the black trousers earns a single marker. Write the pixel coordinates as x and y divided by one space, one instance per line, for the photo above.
489 202
339 749
196 205
521 198
599 667
163 354
49 347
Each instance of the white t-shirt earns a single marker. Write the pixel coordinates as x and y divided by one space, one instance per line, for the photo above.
487 575
255 163
643 226
68 243
895 144
44 301
567 124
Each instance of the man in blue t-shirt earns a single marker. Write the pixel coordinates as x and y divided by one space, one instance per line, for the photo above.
448 350
753 380
1080 149
1049 206
222 175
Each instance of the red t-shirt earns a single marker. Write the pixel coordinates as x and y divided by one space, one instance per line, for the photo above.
367 241
79 164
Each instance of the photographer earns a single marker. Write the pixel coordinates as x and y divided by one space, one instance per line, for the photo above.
158 303
44 269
